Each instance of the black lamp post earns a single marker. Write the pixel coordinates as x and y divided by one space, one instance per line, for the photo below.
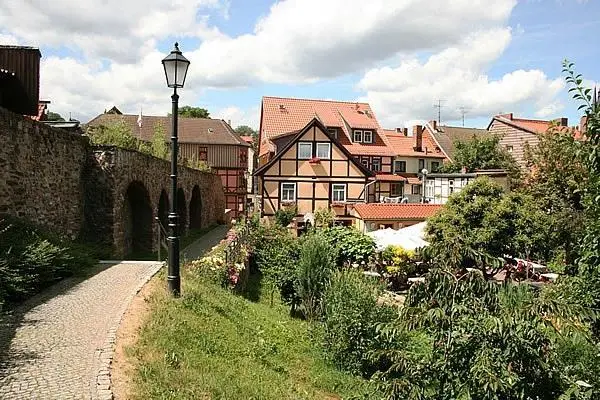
175 65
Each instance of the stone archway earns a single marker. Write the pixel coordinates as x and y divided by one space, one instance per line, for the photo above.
182 211
196 209
163 209
138 219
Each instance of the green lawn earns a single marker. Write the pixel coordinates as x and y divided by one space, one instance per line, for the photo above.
212 344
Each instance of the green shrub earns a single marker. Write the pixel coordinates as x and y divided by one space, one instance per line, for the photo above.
353 246
460 336
317 260
284 216
276 253
351 315
32 259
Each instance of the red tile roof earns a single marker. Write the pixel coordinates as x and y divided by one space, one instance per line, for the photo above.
389 178
247 139
405 145
380 211
281 115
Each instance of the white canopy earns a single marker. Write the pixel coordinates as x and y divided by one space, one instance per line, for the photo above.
408 238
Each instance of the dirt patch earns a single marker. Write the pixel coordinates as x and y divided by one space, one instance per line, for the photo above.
123 367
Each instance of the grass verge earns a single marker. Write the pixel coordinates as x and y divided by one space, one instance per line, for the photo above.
212 344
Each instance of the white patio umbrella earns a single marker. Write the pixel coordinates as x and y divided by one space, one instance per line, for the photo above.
408 238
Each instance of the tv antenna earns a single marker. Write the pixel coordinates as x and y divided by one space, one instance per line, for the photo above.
463 112
439 107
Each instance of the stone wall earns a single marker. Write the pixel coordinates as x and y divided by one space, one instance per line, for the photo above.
104 195
119 207
41 171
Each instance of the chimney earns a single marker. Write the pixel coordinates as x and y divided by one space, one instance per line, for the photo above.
507 116
418 134
229 122
433 125
561 121
399 130
583 124
405 131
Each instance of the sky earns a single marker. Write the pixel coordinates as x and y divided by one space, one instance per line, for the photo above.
475 58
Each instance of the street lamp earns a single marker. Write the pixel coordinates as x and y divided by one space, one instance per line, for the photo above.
424 172
175 65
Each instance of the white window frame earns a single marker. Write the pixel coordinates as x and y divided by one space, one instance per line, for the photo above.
290 185
365 137
334 190
376 160
357 132
396 169
328 156
509 148
300 144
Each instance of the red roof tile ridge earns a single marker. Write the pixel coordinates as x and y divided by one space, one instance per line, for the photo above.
316 100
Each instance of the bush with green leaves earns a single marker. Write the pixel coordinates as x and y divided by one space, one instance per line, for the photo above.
315 265
353 246
32 259
276 253
460 336
350 319
284 216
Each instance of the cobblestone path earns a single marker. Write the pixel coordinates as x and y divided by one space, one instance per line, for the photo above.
52 346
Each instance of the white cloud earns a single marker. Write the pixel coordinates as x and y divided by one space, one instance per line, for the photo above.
457 75
305 40
297 41
238 116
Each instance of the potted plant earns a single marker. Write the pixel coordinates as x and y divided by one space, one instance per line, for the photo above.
315 160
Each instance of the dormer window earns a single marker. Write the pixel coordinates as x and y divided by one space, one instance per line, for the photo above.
357 136
367 136
333 132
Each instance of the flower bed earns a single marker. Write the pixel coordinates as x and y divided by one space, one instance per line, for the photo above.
226 263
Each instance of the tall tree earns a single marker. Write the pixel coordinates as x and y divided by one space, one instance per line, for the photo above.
482 153
193 112
245 130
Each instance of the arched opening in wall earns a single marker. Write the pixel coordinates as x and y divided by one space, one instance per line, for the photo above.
182 211
163 209
196 209
138 220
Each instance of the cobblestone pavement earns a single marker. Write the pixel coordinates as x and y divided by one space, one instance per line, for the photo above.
54 346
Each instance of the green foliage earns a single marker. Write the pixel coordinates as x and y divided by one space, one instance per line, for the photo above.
193 112
116 133
351 316
276 252
284 216
317 260
158 144
32 259
212 344
558 181
398 265
480 153
353 246
461 337
589 245
482 223
324 217
52 116
245 130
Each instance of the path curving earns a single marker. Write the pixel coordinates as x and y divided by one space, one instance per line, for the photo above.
58 345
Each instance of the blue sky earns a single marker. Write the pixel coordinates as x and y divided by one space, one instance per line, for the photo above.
401 56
